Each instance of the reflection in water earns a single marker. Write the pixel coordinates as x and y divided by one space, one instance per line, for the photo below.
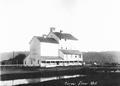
35 80
13 82
99 79
94 79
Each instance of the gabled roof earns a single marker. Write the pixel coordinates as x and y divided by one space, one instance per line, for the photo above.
65 36
71 52
46 58
48 40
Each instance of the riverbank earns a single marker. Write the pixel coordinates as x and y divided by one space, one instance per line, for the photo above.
99 79
20 72
95 79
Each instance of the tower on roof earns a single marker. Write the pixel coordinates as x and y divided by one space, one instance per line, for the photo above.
52 29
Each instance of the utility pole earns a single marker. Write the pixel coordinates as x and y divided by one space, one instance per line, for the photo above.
13 54
13 58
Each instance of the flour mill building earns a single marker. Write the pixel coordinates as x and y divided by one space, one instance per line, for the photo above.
54 49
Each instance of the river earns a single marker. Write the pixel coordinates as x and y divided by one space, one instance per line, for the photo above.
95 79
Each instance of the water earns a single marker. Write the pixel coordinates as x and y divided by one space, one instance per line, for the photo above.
98 79
88 80
36 80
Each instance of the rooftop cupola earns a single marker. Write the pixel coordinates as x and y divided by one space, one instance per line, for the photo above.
52 29
61 34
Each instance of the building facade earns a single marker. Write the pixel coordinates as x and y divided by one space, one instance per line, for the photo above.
53 50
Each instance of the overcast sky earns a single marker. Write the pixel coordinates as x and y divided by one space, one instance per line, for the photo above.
96 23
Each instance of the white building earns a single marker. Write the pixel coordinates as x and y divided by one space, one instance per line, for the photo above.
52 50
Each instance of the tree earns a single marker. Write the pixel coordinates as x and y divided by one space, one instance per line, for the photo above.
19 59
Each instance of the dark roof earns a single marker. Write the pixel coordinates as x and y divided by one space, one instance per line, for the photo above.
65 36
48 40
44 58
71 51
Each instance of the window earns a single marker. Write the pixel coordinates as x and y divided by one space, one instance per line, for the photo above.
75 56
65 39
52 62
38 61
57 62
80 56
48 61
43 62
24 62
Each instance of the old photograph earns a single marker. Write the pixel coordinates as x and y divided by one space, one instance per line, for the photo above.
59 43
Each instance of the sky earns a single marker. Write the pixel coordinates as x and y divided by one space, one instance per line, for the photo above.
95 23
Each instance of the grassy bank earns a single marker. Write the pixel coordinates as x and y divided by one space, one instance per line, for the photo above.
20 72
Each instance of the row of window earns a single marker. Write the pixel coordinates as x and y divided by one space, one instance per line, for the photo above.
56 62
61 61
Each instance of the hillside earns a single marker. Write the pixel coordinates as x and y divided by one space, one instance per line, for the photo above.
9 55
102 57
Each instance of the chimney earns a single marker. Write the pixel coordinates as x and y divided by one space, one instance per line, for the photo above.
52 29
60 33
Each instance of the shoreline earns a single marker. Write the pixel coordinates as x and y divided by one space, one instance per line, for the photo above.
36 72
66 79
